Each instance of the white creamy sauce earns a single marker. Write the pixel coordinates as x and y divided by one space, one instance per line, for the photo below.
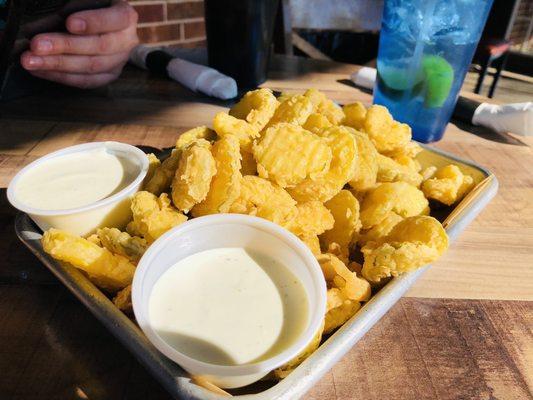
75 180
228 306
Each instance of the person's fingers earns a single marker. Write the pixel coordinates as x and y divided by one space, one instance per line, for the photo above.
64 43
111 19
73 63
82 81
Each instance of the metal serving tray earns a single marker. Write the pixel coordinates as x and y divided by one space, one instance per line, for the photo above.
178 383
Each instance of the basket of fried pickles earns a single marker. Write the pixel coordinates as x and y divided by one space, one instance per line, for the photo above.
345 180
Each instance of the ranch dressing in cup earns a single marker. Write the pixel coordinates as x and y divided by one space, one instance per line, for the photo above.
229 306
75 180
80 188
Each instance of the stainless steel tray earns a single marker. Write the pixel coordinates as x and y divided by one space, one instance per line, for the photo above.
177 382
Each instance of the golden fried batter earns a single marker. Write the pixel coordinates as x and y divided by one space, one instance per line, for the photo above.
226 184
428 172
285 96
153 165
192 135
117 242
412 243
224 125
311 218
163 174
312 242
325 106
354 115
408 162
338 178
343 146
316 123
345 210
399 197
123 300
153 216
410 150
109 271
248 164
448 185
379 230
294 110
339 310
339 276
192 179
367 163
288 154
264 199
386 134
256 107
390 170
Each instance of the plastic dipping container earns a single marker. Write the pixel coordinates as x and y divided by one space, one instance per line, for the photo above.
229 230
111 211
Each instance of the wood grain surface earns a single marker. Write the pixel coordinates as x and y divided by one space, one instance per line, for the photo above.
464 332
422 349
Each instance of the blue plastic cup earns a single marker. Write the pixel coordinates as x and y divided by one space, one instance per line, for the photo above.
425 49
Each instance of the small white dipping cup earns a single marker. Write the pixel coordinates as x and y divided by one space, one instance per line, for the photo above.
229 230
113 211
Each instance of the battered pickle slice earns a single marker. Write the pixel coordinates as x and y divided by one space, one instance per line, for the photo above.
386 134
342 169
109 271
288 154
226 184
192 179
345 210
162 175
448 185
293 110
224 124
256 107
398 197
153 216
411 244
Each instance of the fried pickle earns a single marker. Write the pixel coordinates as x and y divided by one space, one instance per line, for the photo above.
193 176
343 166
256 107
411 244
122 243
345 210
288 154
226 184
109 271
153 216
164 173
448 185
398 197
224 125
386 134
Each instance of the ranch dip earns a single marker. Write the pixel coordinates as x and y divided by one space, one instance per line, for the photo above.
228 306
75 180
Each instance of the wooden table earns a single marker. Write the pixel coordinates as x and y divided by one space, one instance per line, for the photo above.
464 331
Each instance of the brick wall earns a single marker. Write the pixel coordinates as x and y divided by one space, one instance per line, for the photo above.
177 23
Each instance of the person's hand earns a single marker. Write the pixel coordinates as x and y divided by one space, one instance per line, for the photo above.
91 54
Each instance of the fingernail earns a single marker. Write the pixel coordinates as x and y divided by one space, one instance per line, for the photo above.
77 25
34 62
44 45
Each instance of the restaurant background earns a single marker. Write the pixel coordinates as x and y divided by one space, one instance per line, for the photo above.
180 23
